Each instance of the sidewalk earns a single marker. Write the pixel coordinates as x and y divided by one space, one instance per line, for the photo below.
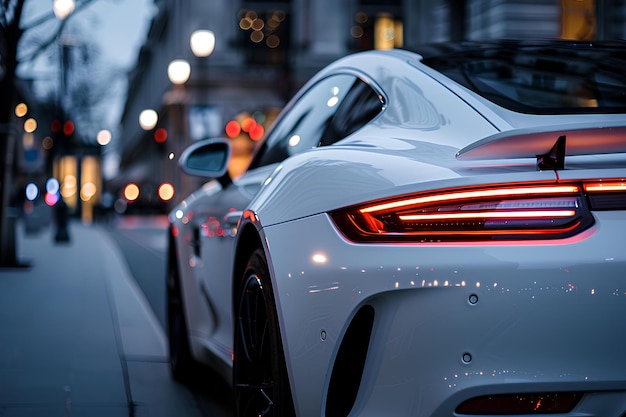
77 337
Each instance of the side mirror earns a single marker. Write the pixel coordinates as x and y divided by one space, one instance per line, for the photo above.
208 159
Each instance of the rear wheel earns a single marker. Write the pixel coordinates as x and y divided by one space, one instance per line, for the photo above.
259 373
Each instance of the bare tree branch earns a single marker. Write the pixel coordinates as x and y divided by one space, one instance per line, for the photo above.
54 36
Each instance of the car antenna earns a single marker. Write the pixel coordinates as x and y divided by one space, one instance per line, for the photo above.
555 158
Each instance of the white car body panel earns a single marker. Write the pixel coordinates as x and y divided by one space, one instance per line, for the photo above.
209 319
422 297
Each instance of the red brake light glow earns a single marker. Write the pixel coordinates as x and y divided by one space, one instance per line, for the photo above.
606 186
461 195
489 213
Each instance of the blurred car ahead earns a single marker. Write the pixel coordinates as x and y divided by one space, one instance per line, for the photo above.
422 233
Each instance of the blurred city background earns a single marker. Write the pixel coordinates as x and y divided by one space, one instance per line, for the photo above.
87 137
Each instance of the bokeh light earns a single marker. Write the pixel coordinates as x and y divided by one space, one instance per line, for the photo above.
104 137
68 128
166 191
148 119
202 42
69 186
52 186
32 191
178 71
21 109
51 199
47 143
257 132
131 192
233 129
257 36
160 135
87 191
247 124
272 41
30 125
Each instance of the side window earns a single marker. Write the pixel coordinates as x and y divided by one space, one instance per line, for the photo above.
359 106
329 111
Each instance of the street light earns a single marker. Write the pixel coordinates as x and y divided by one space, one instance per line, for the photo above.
202 42
63 8
178 71
148 119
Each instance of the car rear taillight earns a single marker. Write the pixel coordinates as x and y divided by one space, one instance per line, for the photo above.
610 186
487 213
516 404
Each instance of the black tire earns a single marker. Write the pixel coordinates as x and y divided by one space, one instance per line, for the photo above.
181 360
261 384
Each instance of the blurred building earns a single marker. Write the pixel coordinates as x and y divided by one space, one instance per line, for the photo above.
265 50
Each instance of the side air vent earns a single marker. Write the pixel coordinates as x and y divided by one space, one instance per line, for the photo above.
349 364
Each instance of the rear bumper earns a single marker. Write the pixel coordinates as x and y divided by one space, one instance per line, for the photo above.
453 322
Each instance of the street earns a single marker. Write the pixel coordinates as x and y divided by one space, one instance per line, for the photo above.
143 241
81 336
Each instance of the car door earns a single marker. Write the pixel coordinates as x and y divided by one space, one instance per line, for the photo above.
310 122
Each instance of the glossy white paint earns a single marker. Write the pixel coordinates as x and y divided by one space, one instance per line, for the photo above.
453 321
534 299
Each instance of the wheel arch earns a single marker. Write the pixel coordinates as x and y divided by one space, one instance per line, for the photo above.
248 240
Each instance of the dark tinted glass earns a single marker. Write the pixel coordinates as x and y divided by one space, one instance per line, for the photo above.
208 159
543 77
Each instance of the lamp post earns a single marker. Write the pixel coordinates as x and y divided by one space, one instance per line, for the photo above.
202 44
178 72
65 166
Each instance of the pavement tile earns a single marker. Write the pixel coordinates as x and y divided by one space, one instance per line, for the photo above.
77 336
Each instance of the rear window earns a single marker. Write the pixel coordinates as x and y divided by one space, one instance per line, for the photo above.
539 78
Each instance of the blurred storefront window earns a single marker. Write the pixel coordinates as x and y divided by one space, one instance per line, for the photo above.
578 21
377 25
265 32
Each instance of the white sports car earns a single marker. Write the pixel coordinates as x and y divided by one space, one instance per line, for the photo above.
440 233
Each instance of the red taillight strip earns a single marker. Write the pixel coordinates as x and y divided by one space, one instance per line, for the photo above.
605 186
479 194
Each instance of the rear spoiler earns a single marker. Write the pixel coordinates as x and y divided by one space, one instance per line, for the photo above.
550 144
